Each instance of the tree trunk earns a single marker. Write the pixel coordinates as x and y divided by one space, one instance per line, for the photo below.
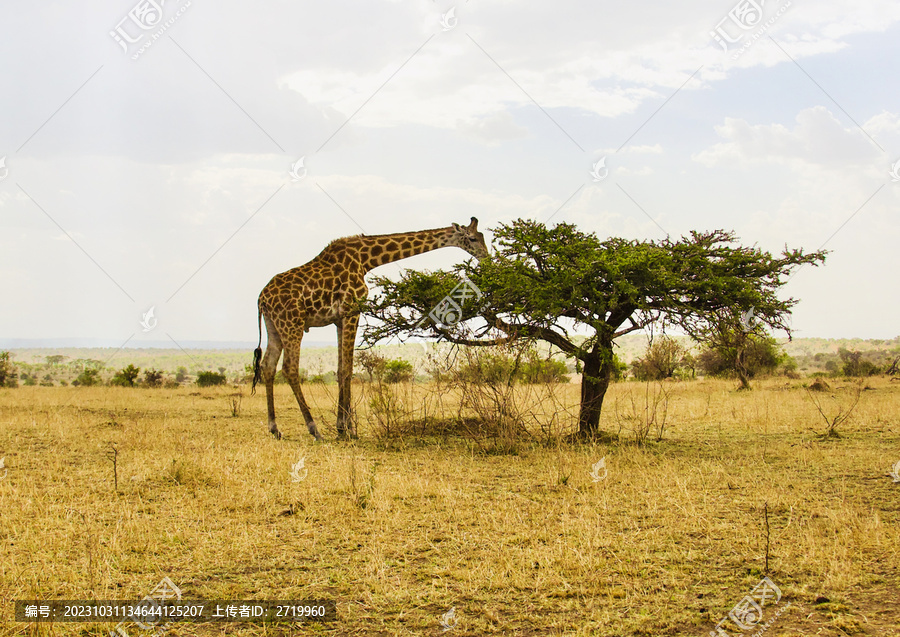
595 378
741 369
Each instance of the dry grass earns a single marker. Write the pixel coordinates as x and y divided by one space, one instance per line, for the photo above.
521 543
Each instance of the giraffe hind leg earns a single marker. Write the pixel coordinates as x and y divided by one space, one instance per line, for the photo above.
291 369
268 368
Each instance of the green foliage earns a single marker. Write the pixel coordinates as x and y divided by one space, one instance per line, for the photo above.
87 378
181 374
210 379
398 371
126 376
9 376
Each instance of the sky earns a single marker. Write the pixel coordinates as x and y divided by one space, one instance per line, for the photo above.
150 151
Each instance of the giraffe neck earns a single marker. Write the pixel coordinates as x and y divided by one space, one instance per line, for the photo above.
386 248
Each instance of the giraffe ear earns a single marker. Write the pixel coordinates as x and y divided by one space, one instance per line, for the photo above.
456 227
474 224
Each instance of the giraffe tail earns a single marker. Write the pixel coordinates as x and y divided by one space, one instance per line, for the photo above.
257 357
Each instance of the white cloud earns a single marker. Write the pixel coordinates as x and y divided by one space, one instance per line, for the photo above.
817 139
492 129
153 167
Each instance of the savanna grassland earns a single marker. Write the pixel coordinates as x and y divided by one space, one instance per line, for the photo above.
517 536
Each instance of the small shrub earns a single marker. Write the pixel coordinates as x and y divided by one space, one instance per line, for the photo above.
126 376
235 402
153 378
373 364
664 358
210 379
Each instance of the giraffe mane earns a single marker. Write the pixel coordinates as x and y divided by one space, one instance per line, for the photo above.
375 236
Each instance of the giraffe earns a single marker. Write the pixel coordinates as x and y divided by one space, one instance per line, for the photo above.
327 291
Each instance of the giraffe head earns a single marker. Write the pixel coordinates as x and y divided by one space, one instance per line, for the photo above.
469 239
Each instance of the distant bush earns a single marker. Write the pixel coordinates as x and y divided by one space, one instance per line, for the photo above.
398 371
543 370
210 379
760 357
247 377
181 374
9 377
126 376
328 378
153 378
503 366
379 369
87 378
853 364
664 358
490 367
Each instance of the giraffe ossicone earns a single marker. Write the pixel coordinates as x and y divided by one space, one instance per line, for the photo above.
327 291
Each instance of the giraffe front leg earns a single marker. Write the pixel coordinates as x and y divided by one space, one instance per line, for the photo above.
346 343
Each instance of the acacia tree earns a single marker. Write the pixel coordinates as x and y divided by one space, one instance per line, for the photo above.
551 283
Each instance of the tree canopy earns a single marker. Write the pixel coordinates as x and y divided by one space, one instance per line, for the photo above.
547 283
